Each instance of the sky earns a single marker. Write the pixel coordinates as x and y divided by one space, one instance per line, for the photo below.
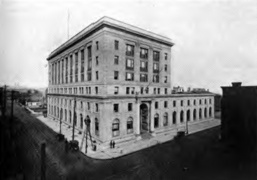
215 40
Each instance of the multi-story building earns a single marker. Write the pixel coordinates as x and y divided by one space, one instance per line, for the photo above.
119 76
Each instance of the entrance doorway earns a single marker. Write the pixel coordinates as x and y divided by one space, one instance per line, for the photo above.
144 118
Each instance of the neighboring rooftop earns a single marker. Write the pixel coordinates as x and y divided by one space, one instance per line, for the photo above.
110 22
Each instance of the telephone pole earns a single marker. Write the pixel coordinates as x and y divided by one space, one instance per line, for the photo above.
74 118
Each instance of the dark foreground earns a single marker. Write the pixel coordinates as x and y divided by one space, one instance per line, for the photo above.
197 156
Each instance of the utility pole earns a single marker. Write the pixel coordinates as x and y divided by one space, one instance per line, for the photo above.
73 125
43 161
12 104
4 101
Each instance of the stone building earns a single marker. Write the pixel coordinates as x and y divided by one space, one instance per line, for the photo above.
119 76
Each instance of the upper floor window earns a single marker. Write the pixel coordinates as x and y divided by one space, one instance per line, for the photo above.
166 56
166 91
143 53
156 78
174 103
156 105
130 64
116 107
156 67
129 106
129 50
116 59
156 55
96 60
116 90
89 51
181 102
165 104
116 75
97 45
96 90
96 107
165 67
82 54
96 75
89 76
132 90
116 45
143 78
188 102
143 66
127 90
129 76
165 79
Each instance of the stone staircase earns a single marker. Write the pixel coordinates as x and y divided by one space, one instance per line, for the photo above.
146 136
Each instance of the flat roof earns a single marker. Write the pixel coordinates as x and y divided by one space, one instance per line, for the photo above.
110 22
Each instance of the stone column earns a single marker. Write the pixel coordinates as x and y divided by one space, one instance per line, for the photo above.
151 108
137 118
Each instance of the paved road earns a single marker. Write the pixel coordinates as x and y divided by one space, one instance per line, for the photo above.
197 156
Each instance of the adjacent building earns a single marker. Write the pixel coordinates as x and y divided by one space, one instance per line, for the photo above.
119 76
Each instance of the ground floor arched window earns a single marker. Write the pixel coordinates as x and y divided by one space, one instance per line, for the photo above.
205 112
200 113
81 121
182 116
174 117
194 114
165 119
65 115
188 115
210 112
156 120
96 127
116 127
130 125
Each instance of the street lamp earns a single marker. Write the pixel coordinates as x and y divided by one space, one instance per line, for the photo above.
87 122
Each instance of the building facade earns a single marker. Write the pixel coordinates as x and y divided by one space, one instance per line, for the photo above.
119 76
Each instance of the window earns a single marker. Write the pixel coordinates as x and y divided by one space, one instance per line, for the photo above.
205 101
89 90
71 69
142 90
89 51
155 78
146 90
166 91
76 67
188 102
174 103
116 90
165 119
116 45
82 65
96 60
143 53
200 113
89 76
166 56
96 90
129 76
89 66
130 125
97 45
88 105
116 128
156 120
81 121
132 90
165 67
96 75
165 104
200 101
116 59
156 105
130 107
210 101
205 112
174 117
210 112
96 127
130 64
143 66
154 90
156 55
156 67
143 78
159 90
81 104
116 75
129 50
182 116
194 114
127 90
165 79
181 102
194 102
96 107
188 115
116 107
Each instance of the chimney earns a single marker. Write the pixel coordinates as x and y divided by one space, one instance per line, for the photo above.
236 84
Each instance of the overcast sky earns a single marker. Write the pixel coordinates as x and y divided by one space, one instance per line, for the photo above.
215 41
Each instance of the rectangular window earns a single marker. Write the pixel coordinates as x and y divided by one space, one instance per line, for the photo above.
165 79
165 67
127 90
166 91
166 56
116 90
143 78
62 70
116 44
142 90
89 90
155 78
143 66
130 64
89 76
88 106
76 66
174 103
96 75
156 67
129 106
89 66
129 50
71 69
181 102
156 55
156 105
89 52
116 107
116 75
159 90
188 102
165 104
82 54
143 53
96 107
132 90
96 45
129 76
116 59
154 90
130 126
82 65
96 90
96 60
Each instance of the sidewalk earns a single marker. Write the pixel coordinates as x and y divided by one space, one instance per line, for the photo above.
129 147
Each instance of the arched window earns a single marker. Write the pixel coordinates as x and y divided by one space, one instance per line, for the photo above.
188 115
81 104
200 101
116 127
194 102
174 117
156 120
205 112
194 114
130 125
65 115
210 112
81 121
55 111
165 119
205 101
182 116
200 113
61 114
70 116
96 127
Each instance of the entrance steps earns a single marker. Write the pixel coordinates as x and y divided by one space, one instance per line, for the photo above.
146 136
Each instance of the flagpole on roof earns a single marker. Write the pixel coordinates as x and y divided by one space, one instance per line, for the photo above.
68 24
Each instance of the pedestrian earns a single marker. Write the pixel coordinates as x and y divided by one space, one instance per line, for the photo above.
113 144
66 145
